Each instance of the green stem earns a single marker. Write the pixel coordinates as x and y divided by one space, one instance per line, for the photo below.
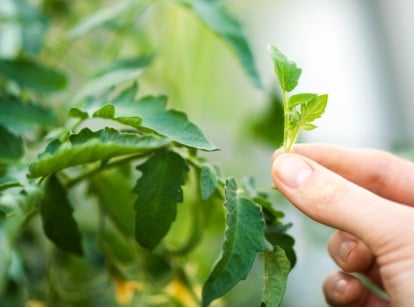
286 141
99 168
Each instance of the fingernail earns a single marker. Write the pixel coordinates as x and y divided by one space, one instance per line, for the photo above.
292 170
340 286
345 249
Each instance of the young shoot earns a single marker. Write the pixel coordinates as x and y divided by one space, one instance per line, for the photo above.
300 110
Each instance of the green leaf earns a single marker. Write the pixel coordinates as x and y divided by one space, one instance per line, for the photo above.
309 126
11 146
18 205
276 235
286 70
276 267
89 146
215 16
116 199
243 238
58 223
21 116
313 109
159 190
127 95
107 111
300 99
208 181
33 76
171 123
78 113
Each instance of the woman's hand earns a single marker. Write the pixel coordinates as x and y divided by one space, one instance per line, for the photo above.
368 195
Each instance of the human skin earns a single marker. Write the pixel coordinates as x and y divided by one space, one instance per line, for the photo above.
368 197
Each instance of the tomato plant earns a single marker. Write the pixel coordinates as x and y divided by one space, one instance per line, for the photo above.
95 166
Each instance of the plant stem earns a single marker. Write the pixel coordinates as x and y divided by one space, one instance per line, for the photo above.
98 169
286 143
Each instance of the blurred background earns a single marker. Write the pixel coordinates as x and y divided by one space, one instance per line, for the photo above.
358 52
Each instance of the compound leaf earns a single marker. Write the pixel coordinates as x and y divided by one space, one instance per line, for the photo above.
215 16
159 190
33 76
276 267
286 70
243 238
89 146
58 222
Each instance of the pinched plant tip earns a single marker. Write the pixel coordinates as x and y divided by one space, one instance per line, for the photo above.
300 110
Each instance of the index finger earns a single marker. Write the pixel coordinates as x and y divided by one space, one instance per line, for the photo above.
377 171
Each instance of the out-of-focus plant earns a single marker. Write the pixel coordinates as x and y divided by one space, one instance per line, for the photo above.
94 174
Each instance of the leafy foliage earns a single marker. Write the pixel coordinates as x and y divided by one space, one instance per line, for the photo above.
243 238
159 191
300 110
90 146
21 116
58 222
11 145
171 123
103 180
33 76
277 267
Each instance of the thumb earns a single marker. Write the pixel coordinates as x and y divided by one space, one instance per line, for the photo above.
334 201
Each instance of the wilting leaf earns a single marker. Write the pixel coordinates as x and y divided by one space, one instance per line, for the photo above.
159 190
